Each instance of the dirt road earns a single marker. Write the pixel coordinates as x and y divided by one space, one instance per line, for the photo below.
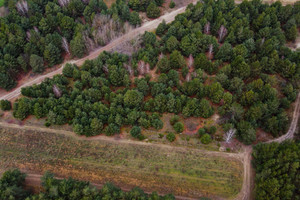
148 26
290 133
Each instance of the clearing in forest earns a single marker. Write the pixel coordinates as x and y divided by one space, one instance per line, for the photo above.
183 172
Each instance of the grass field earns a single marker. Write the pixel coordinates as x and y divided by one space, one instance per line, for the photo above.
1 3
183 172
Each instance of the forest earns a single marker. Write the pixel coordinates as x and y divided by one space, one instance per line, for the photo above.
277 170
217 57
38 34
12 188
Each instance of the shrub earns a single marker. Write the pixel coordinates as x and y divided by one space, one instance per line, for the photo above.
212 130
206 139
136 132
174 119
5 105
201 132
178 127
171 137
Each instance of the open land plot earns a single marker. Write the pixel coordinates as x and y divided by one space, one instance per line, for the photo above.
183 172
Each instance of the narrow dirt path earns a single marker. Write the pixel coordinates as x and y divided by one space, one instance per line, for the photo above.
148 26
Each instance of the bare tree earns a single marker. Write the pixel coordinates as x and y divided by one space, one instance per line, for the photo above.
63 3
210 50
161 55
107 29
105 69
28 34
128 47
262 41
191 61
147 68
36 29
222 33
57 92
65 45
129 69
22 7
207 28
141 67
188 77
89 43
229 135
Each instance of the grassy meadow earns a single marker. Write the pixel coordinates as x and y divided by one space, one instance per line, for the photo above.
183 172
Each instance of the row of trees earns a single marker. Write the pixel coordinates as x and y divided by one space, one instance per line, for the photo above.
12 187
36 35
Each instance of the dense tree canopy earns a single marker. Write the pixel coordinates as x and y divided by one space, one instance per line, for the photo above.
277 170
36 35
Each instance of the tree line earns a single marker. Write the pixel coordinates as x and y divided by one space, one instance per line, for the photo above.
12 185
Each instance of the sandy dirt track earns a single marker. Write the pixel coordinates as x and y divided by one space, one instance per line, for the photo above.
293 126
148 26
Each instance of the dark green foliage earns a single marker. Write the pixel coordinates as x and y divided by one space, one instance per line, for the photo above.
164 64
77 46
68 70
277 170
134 19
178 127
201 132
161 29
171 137
133 98
172 4
246 132
174 119
5 105
11 185
22 108
205 139
37 63
153 11
52 54
177 61
136 132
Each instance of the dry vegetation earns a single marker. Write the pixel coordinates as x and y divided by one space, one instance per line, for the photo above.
184 172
